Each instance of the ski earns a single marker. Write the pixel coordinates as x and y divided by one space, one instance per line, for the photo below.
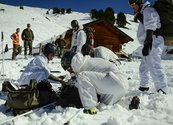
50 71
51 106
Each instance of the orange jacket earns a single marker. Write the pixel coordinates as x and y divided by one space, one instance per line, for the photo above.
15 38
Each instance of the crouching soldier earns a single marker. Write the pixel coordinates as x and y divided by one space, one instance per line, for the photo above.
95 76
38 69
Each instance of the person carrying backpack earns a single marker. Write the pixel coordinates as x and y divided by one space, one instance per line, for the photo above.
16 44
95 76
153 45
78 37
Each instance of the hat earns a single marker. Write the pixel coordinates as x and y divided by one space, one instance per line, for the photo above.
136 1
28 25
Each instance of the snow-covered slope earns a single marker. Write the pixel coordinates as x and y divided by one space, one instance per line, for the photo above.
155 109
43 25
47 26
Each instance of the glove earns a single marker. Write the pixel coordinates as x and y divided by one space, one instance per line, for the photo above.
139 16
146 50
147 43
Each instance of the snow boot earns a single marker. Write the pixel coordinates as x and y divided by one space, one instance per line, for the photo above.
91 111
134 103
143 88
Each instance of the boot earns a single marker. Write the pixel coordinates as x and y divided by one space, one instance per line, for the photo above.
143 88
91 111
134 103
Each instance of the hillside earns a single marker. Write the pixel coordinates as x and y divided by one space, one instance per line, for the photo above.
47 26
155 108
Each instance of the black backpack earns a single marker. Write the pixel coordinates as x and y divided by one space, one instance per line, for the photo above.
69 97
165 11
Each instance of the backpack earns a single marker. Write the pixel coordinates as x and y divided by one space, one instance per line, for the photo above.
69 97
165 11
90 35
28 96
23 99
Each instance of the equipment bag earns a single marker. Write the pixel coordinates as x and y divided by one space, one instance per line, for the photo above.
23 99
28 96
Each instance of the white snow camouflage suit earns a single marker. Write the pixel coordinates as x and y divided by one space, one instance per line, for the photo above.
78 40
96 75
36 69
151 63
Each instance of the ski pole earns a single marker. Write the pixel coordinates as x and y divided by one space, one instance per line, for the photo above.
72 117
2 68
26 113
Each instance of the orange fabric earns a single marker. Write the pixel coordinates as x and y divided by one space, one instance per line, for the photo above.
16 39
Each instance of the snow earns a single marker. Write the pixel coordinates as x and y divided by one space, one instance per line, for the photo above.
155 108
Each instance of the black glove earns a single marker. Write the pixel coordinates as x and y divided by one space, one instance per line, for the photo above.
147 43
139 16
145 50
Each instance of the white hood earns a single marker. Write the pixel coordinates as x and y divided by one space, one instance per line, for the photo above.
77 62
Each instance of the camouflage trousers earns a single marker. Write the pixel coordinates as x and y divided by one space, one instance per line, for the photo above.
26 45
16 51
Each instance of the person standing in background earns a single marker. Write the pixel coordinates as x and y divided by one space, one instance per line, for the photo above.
27 37
60 45
78 37
16 44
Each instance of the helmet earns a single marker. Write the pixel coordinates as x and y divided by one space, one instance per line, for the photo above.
28 25
136 1
49 48
74 23
86 49
66 59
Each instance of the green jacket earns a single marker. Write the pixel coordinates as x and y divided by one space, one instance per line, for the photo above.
60 43
27 35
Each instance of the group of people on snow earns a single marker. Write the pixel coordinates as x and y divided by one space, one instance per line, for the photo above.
27 37
97 69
